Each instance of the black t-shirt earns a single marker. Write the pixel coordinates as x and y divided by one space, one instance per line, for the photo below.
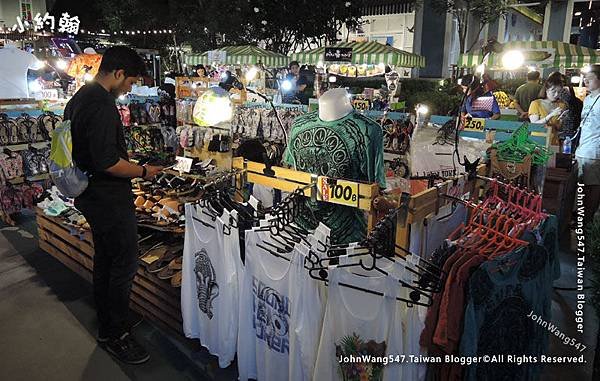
98 143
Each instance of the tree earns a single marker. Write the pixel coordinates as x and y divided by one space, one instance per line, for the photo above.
486 11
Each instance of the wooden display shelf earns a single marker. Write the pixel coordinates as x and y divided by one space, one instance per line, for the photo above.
153 298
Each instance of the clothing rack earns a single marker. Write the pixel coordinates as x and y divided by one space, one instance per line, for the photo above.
429 201
289 180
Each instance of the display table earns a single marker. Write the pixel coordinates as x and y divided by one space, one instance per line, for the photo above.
151 297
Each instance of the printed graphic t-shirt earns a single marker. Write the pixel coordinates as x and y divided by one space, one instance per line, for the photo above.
348 148
266 306
357 323
209 299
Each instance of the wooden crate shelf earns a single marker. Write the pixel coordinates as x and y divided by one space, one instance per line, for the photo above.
151 297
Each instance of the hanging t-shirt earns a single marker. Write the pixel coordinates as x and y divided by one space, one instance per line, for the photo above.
14 64
348 148
430 233
209 292
307 315
265 312
358 323
501 295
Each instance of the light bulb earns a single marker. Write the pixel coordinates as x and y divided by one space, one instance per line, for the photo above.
513 59
286 85
88 77
422 109
251 74
586 69
575 79
332 79
61 64
480 69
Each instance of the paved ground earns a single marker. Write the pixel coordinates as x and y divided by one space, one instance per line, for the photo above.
47 325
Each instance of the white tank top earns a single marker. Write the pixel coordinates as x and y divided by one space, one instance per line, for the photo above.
209 292
358 323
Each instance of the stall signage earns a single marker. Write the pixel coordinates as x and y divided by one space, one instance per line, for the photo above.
217 56
361 104
66 24
338 191
184 164
475 124
338 54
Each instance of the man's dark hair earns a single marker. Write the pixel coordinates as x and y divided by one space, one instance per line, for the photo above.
122 58
533 75
293 63
595 69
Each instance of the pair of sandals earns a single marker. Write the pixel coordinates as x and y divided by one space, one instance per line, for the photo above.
164 210
166 262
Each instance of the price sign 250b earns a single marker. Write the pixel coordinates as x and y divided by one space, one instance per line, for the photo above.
338 191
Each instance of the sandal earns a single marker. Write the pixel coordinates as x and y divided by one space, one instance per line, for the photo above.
176 280
163 261
174 266
153 254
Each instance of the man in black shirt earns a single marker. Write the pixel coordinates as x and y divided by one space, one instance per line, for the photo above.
299 83
99 149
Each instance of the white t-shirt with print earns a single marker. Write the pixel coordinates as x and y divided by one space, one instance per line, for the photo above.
589 142
359 323
209 287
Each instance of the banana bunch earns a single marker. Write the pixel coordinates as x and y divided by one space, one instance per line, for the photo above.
502 98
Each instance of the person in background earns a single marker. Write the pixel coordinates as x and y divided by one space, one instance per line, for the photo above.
479 103
550 110
200 71
588 152
299 83
527 93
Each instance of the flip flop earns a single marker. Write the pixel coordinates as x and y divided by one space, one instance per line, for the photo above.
153 254
174 266
161 262
176 280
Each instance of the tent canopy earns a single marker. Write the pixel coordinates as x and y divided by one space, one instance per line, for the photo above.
369 52
241 55
538 53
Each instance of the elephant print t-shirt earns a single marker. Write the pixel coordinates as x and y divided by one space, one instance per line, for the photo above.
209 286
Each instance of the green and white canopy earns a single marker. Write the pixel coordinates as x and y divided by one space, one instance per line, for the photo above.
538 53
241 55
370 52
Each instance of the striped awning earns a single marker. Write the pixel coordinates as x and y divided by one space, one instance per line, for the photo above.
242 55
369 52
539 53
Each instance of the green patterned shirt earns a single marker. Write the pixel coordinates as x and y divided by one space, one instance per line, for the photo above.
349 148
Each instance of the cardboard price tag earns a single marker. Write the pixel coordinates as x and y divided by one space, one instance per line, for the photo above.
184 164
338 191
360 104
475 124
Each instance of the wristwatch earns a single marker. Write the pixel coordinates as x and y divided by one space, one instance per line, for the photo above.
144 172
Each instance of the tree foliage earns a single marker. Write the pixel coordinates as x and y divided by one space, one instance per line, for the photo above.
486 11
283 26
